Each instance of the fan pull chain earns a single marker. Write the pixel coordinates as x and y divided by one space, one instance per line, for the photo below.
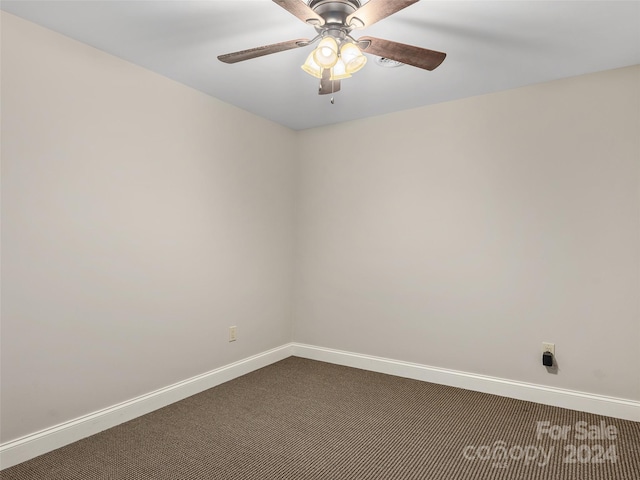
332 92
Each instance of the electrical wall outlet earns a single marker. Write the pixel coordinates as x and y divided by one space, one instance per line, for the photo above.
233 334
549 347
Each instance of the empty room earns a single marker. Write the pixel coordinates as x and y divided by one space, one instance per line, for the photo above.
320 240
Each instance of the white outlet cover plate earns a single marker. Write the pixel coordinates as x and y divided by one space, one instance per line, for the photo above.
549 347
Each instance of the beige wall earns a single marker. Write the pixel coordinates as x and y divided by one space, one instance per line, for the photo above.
140 219
462 235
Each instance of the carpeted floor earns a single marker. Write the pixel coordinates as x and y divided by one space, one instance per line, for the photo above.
303 419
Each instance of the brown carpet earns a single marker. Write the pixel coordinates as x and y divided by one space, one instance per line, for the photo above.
303 419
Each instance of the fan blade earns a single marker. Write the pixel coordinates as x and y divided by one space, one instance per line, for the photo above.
261 51
302 11
327 85
375 10
416 56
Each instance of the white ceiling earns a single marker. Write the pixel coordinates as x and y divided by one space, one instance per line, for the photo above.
490 46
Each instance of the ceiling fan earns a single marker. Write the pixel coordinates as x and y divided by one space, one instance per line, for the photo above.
338 54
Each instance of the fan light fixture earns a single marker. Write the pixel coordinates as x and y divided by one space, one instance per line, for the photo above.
326 55
311 67
341 61
338 54
339 71
352 57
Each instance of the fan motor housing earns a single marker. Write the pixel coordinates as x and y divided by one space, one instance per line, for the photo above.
334 11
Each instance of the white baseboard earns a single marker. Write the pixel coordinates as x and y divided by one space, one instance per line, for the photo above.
557 397
30 446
